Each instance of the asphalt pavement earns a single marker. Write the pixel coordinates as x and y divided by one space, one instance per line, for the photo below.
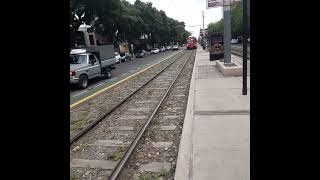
122 70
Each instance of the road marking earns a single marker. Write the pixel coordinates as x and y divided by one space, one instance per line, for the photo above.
80 93
109 87
99 85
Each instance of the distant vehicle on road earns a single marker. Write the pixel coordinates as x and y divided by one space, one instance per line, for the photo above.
168 47
191 42
155 51
175 47
234 41
162 48
125 52
117 56
124 57
141 54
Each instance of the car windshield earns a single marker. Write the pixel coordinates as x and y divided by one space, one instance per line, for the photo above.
154 49
78 59
140 51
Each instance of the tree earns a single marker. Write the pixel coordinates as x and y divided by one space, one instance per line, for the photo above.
236 12
216 27
130 20
236 19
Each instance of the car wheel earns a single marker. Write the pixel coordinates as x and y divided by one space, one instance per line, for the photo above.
108 74
83 81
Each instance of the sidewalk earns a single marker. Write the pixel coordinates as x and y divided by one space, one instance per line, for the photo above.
215 142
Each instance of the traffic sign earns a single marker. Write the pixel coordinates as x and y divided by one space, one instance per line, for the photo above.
214 3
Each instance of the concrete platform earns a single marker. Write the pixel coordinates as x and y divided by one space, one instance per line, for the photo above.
215 142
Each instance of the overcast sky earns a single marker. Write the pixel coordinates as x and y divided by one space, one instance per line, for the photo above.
188 11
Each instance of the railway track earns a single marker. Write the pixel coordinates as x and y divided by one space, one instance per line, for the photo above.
85 115
103 150
239 52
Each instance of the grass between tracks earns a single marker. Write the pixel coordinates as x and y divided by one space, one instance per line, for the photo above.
154 176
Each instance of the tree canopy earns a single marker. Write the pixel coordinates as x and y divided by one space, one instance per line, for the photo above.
130 21
236 12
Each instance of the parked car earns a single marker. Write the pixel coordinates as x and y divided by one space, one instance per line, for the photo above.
175 47
234 41
117 56
155 51
125 57
141 54
162 48
168 47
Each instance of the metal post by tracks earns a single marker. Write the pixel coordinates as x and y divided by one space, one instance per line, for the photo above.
116 172
244 49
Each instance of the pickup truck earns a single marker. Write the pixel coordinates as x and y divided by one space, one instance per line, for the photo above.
86 65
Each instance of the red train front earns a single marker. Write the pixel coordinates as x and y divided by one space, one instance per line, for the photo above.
191 42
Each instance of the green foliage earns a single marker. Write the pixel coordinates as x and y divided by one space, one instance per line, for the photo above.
236 12
114 156
154 176
215 27
131 20
236 19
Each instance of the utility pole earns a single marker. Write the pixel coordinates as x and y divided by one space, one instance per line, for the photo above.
202 38
227 31
244 48
202 21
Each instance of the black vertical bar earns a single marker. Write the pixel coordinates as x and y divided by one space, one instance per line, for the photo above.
244 48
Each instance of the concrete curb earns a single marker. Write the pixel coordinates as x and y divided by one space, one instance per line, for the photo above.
230 71
184 161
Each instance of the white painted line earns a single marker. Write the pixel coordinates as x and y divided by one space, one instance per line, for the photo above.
99 85
80 93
